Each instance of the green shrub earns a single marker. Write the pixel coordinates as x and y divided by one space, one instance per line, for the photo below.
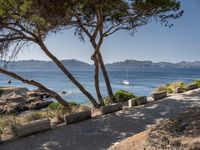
197 82
73 104
106 101
121 95
160 88
55 105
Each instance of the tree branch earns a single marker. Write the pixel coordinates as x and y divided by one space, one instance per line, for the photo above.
37 84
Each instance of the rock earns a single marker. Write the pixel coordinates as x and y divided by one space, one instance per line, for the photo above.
159 95
63 92
39 104
2 111
16 100
2 102
12 92
38 93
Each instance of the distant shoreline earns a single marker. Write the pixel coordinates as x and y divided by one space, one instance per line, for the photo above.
72 63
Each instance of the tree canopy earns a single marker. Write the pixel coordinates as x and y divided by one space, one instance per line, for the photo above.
31 21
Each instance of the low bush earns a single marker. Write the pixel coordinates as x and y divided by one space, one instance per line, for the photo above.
34 116
197 82
121 95
54 106
171 87
106 101
73 104
7 125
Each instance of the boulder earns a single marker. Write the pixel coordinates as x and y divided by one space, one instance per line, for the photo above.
192 86
39 104
73 118
33 127
38 93
159 95
111 108
13 92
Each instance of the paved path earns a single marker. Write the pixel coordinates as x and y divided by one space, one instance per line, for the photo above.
101 132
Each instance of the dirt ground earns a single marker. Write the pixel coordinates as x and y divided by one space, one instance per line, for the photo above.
180 133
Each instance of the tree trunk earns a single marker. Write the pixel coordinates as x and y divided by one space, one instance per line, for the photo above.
69 75
106 78
37 84
96 78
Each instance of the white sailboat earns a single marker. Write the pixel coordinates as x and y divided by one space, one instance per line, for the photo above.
126 82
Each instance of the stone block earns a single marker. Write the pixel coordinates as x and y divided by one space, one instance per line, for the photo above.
159 95
192 86
77 117
33 127
111 108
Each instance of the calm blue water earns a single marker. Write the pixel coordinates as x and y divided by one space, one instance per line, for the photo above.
143 80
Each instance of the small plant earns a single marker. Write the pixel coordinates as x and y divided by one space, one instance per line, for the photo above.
197 82
171 87
121 95
5 122
106 101
73 104
55 105
33 116
57 110
160 88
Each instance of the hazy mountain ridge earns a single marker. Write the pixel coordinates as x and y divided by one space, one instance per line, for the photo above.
75 64
150 64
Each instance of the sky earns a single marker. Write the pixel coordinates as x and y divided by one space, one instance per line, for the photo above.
153 42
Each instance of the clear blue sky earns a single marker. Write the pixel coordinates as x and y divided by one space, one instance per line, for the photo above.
152 42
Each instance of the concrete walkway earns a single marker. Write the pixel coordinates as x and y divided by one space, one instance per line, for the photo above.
101 132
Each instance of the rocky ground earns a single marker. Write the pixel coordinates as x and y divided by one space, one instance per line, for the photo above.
14 100
180 133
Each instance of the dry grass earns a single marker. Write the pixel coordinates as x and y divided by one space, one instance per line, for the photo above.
171 87
8 122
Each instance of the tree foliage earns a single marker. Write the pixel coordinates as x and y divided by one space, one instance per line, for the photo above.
25 22
31 21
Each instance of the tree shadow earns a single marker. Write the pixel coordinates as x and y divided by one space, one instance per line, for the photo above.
103 131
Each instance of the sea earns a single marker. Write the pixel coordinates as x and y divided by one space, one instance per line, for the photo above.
142 80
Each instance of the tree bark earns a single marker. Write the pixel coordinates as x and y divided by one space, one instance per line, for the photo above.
106 78
96 78
69 75
37 84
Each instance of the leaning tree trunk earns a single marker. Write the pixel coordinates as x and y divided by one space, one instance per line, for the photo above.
96 78
69 75
37 84
106 78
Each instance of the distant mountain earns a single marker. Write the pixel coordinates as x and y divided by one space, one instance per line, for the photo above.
37 64
75 64
150 64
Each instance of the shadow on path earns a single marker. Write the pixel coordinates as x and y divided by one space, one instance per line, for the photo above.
101 132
